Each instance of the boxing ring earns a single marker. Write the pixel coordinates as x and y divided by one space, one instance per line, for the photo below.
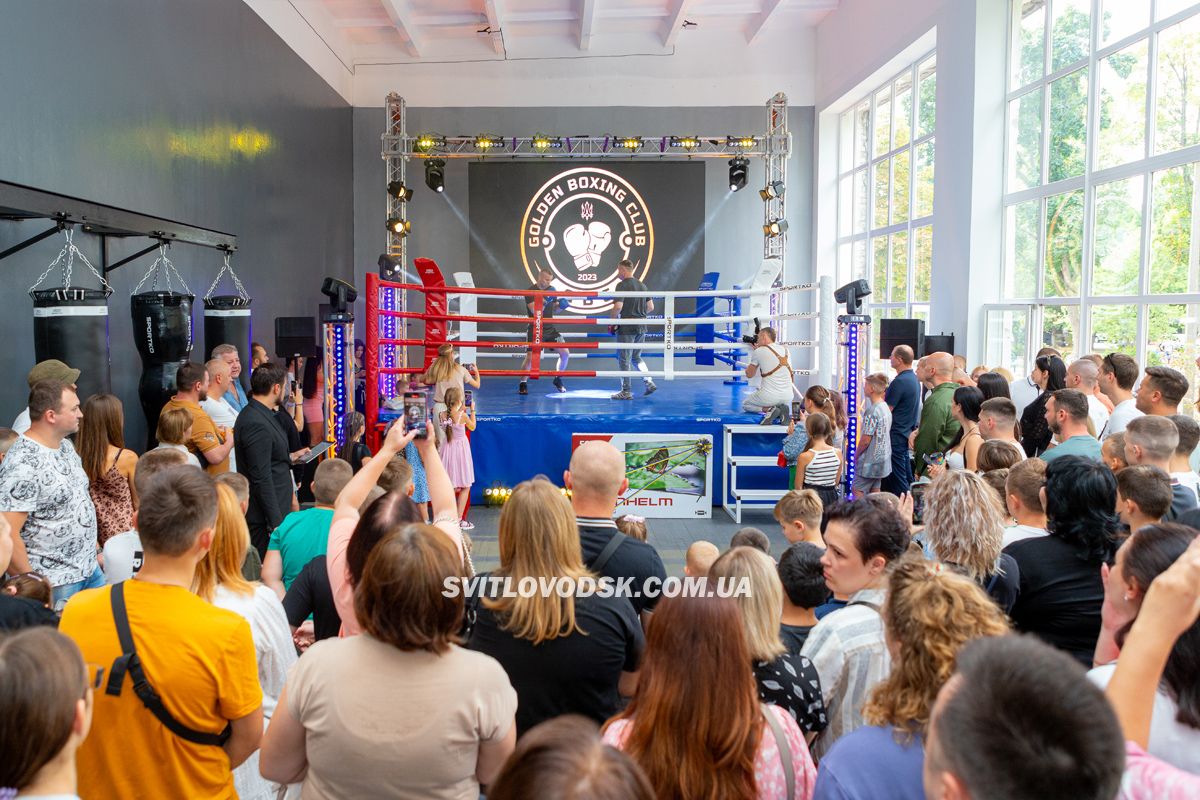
522 435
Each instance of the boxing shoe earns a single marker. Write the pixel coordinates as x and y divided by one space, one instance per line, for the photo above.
624 394
523 388
651 388
558 384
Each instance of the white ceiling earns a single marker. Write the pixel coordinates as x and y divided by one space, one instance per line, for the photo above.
369 36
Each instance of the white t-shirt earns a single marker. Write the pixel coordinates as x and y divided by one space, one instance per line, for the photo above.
1018 532
223 416
779 382
1124 412
1097 413
1023 391
122 557
1170 740
22 422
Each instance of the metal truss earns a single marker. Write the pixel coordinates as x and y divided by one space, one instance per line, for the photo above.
590 147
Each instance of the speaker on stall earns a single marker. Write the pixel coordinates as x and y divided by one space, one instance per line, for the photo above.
895 332
942 343
296 336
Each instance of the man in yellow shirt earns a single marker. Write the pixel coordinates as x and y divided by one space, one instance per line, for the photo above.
198 658
211 444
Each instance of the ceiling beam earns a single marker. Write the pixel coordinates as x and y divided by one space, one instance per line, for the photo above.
587 22
674 23
760 22
495 17
401 15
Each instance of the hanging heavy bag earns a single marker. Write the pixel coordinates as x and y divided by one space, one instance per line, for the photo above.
227 321
162 331
71 323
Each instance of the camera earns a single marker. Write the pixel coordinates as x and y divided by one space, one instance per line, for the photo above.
752 340
797 411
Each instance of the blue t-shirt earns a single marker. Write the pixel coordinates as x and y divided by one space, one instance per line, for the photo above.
903 395
869 763
301 537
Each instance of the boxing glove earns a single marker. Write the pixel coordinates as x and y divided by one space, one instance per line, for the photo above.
577 239
563 304
600 236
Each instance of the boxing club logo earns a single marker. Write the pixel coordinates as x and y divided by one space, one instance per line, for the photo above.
579 224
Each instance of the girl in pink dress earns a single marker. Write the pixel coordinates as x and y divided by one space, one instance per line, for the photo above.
456 420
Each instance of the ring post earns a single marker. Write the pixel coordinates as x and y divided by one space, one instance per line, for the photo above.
827 332
371 356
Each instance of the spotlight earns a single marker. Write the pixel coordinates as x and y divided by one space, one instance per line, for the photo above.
391 268
427 142
341 295
398 225
485 142
771 190
741 142
629 142
685 142
435 174
542 142
739 167
398 190
776 227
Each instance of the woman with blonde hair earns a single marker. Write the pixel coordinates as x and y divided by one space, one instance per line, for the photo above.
964 529
446 373
565 654
109 466
788 681
219 581
174 431
929 615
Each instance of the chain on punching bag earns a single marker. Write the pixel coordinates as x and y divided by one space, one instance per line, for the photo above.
227 320
162 330
71 323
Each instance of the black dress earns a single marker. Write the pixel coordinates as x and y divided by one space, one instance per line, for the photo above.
1035 433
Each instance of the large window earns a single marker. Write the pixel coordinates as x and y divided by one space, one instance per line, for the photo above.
1102 250
885 194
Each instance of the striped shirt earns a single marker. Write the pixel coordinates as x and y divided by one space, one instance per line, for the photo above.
823 469
848 649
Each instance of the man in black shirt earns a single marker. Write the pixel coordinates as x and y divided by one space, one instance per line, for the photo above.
631 308
596 478
311 595
549 332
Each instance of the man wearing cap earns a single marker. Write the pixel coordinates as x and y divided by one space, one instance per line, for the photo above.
49 370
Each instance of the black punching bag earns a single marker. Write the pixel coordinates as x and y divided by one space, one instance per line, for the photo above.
162 329
227 321
71 325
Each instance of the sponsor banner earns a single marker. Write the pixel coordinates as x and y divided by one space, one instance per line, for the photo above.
670 475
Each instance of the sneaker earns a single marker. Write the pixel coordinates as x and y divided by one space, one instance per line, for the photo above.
466 526
651 388
624 394
781 414
558 384
523 388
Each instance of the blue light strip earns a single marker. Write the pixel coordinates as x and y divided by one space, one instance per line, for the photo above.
851 390
339 369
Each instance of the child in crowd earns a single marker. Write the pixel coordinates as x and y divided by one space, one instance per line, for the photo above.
699 558
457 419
446 373
998 480
1023 501
633 527
31 585
356 450
804 589
252 566
816 399
874 437
175 431
819 467
7 437
751 537
840 420
799 516
1143 495
1113 452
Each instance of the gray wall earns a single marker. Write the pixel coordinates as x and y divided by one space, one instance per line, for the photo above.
132 103
733 239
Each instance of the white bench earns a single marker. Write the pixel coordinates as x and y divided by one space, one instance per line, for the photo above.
750 497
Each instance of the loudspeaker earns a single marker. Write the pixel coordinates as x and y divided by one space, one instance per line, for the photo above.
296 336
895 332
942 343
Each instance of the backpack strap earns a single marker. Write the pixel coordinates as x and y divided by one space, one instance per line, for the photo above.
783 362
785 751
129 662
607 553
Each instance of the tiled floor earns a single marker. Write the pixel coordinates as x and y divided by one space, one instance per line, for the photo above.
671 537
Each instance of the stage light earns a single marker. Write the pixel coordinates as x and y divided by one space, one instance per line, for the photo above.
629 142
776 227
542 142
739 167
742 142
685 142
435 174
428 142
485 142
398 190
771 190
400 226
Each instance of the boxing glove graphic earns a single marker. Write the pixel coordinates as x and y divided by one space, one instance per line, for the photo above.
576 238
600 235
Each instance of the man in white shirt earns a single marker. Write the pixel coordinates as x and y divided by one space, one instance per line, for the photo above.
1023 390
49 370
769 361
220 376
1118 374
1084 376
